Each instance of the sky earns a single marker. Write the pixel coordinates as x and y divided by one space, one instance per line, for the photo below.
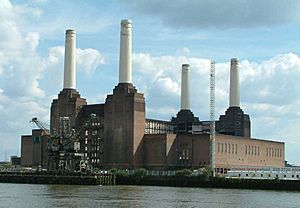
264 35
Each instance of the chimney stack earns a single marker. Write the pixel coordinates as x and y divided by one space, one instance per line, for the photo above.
234 93
185 87
70 60
125 52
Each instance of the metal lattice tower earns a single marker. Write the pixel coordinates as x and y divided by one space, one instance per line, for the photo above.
212 105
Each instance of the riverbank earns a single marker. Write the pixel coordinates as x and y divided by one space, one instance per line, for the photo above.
192 181
57 178
144 180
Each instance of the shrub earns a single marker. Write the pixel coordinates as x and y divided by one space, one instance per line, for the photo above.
140 173
184 172
114 170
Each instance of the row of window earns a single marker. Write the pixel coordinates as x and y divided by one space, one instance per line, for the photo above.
252 150
273 152
227 148
269 175
95 160
249 150
184 155
91 155
93 132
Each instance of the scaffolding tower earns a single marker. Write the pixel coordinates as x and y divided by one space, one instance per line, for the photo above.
212 105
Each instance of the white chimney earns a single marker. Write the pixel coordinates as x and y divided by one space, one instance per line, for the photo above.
125 52
70 60
234 93
185 87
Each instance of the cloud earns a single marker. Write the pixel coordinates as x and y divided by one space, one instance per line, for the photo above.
271 81
89 59
165 111
183 51
219 14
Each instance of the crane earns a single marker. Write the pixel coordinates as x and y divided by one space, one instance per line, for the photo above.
62 146
40 125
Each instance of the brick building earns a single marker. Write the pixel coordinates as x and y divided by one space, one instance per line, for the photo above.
34 149
116 134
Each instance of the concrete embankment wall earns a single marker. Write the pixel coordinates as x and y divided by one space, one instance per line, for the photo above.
35 178
185 181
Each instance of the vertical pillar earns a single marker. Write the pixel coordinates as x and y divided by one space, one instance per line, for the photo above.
234 93
70 60
185 87
125 52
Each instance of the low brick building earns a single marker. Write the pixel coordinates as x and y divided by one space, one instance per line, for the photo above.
34 149
168 151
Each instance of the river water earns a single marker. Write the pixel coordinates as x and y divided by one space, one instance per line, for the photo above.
28 195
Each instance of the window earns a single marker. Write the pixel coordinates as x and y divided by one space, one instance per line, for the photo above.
232 148
229 148
246 150
225 148
255 150
36 139
280 153
267 151
258 150
251 150
222 145
236 149
218 147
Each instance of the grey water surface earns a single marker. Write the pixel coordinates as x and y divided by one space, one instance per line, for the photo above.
29 195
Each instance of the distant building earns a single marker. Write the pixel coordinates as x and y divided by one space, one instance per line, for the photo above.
15 160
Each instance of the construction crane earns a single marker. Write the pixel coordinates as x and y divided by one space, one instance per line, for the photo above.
40 125
62 146
212 116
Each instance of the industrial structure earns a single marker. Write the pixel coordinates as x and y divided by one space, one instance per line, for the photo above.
117 134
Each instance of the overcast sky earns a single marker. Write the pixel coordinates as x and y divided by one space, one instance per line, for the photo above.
264 35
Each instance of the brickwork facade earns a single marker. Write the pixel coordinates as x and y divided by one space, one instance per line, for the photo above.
34 149
124 127
68 104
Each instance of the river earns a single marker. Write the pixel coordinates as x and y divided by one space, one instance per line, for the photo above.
33 196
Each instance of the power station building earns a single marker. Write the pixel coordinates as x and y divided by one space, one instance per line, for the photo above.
117 134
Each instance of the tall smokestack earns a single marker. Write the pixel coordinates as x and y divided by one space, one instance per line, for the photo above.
234 93
125 52
185 87
70 60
